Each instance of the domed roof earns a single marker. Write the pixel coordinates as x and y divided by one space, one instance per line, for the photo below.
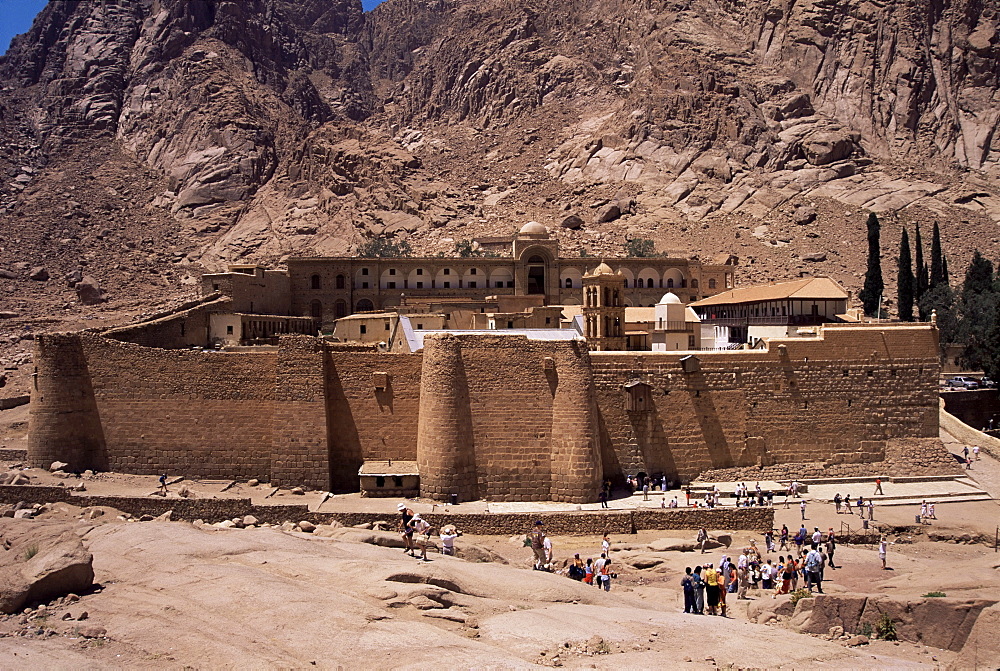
603 269
670 298
533 228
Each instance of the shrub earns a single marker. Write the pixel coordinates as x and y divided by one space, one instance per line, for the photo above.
383 248
934 594
885 628
30 552
640 248
800 594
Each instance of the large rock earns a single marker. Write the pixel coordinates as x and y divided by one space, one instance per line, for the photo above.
572 222
608 213
39 273
89 291
46 560
825 147
818 614
982 645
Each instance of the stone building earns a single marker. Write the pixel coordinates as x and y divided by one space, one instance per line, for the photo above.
486 415
328 288
604 310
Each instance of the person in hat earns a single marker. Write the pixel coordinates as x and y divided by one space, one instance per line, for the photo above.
448 535
421 535
406 516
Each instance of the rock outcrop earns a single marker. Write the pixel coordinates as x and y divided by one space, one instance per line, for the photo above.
41 561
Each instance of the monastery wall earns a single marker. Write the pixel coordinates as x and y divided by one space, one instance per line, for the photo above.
835 400
186 327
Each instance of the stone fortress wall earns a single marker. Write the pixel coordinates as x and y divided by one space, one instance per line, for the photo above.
497 417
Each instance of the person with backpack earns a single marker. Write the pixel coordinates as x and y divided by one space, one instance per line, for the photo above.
576 571
687 585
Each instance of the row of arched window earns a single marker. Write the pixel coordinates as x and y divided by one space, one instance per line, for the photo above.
340 282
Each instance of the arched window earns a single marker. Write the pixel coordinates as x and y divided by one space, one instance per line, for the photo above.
315 282
670 283
694 284
626 284
316 309
340 281
649 283
340 309
569 282
711 283
637 283
365 305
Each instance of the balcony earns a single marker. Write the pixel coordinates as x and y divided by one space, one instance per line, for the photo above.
778 320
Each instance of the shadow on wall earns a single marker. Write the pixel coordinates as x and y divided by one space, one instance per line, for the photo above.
708 419
654 444
342 434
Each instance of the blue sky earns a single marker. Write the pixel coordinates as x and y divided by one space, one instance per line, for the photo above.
16 17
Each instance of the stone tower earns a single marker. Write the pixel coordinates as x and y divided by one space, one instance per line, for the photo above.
604 309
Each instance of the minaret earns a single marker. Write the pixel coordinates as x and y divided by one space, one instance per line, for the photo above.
604 309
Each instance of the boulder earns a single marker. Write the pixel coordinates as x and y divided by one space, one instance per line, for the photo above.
608 213
58 466
74 277
46 560
814 257
643 561
824 147
39 274
7 275
857 640
253 482
250 520
298 491
89 291
804 215
982 643
572 222
674 545
822 612
307 526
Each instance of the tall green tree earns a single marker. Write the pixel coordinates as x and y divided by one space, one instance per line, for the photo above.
937 258
905 280
941 299
921 269
944 269
871 293
977 312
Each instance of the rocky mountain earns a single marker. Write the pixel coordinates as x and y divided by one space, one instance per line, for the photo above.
144 141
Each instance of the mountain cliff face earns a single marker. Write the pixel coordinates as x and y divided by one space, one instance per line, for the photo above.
146 140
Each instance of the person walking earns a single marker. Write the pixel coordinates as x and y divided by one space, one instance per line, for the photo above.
847 503
871 509
406 515
975 452
743 582
603 495
687 585
588 572
702 539
878 486
861 507
606 574
930 511
421 535
802 508
784 538
883 546
606 545
537 537
163 484
599 570
769 540
645 489
837 501
923 511
831 547
766 576
813 568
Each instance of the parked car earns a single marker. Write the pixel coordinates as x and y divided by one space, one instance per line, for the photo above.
987 383
963 382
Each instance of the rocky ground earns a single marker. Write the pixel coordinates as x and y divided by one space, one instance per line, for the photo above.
275 596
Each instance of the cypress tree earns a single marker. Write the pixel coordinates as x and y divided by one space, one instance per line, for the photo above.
937 259
871 293
921 283
905 280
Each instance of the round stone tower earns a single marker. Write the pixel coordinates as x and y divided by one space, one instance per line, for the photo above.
63 423
576 455
445 453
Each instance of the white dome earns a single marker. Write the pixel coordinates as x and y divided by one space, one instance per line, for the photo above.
603 269
533 228
670 298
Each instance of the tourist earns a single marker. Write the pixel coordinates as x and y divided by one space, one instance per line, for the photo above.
795 488
702 539
699 591
725 578
802 508
163 484
663 484
687 493
784 582
878 486
883 545
784 538
743 582
769 540
923 511
448 536
813 566
766 575
537 537
831 546
645 489
965 452
711 578
793 569
603 496
800 538
737 493
871 509
687 584
836 502
576 569
547 546
847 503
770 498
588 576
605 545
930 511
406 515
817 536
975 452
861 506
605 574
968 463
673 502
421 535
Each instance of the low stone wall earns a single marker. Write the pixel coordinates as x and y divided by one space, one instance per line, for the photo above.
13 454
14 402
968 435
487 524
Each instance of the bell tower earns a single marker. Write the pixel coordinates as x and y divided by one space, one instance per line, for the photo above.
604 309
